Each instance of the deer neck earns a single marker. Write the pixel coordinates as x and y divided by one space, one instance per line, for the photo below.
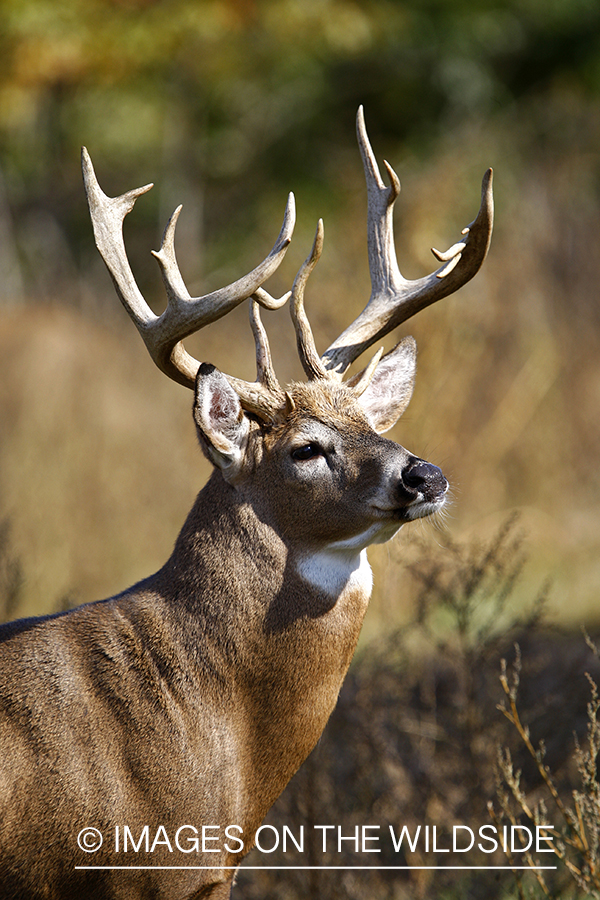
284 624
227 539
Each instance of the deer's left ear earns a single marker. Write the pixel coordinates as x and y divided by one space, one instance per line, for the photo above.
220 421
391 386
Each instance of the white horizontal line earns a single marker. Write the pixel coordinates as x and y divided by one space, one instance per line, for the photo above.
346 868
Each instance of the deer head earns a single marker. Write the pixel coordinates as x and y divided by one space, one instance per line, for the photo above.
239 423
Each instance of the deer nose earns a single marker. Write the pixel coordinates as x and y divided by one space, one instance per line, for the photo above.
424 478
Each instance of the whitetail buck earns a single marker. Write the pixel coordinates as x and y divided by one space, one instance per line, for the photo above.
190 700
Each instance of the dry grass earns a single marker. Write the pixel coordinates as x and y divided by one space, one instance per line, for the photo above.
571 811
97 466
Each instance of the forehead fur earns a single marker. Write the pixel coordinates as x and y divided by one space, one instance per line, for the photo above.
328 401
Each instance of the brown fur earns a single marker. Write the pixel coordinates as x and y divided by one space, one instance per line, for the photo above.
194 696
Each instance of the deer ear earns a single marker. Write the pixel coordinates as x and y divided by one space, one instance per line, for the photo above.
220 421
391 386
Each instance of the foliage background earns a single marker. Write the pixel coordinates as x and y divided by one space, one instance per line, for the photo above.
227 105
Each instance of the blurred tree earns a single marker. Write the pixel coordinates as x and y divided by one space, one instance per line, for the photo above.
236 98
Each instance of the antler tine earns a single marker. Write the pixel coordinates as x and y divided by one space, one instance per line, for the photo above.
307 351
184 314
394 299
265 373
363 378
107 215
265 396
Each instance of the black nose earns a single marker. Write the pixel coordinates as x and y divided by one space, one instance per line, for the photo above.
424 478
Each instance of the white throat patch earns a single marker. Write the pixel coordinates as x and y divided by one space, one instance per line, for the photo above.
333 571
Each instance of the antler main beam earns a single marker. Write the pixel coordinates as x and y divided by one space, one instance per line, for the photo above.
394 299
184 314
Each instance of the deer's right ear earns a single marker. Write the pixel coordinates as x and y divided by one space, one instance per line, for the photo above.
220 421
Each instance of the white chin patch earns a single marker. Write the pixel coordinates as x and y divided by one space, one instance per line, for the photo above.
423 508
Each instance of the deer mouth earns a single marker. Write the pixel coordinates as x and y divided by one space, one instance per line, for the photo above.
420 509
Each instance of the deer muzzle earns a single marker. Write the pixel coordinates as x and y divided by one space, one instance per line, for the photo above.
424 487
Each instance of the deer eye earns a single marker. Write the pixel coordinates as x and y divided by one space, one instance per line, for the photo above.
308 451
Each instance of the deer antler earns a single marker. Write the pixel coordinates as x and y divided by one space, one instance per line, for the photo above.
394 299
184 314
307 351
